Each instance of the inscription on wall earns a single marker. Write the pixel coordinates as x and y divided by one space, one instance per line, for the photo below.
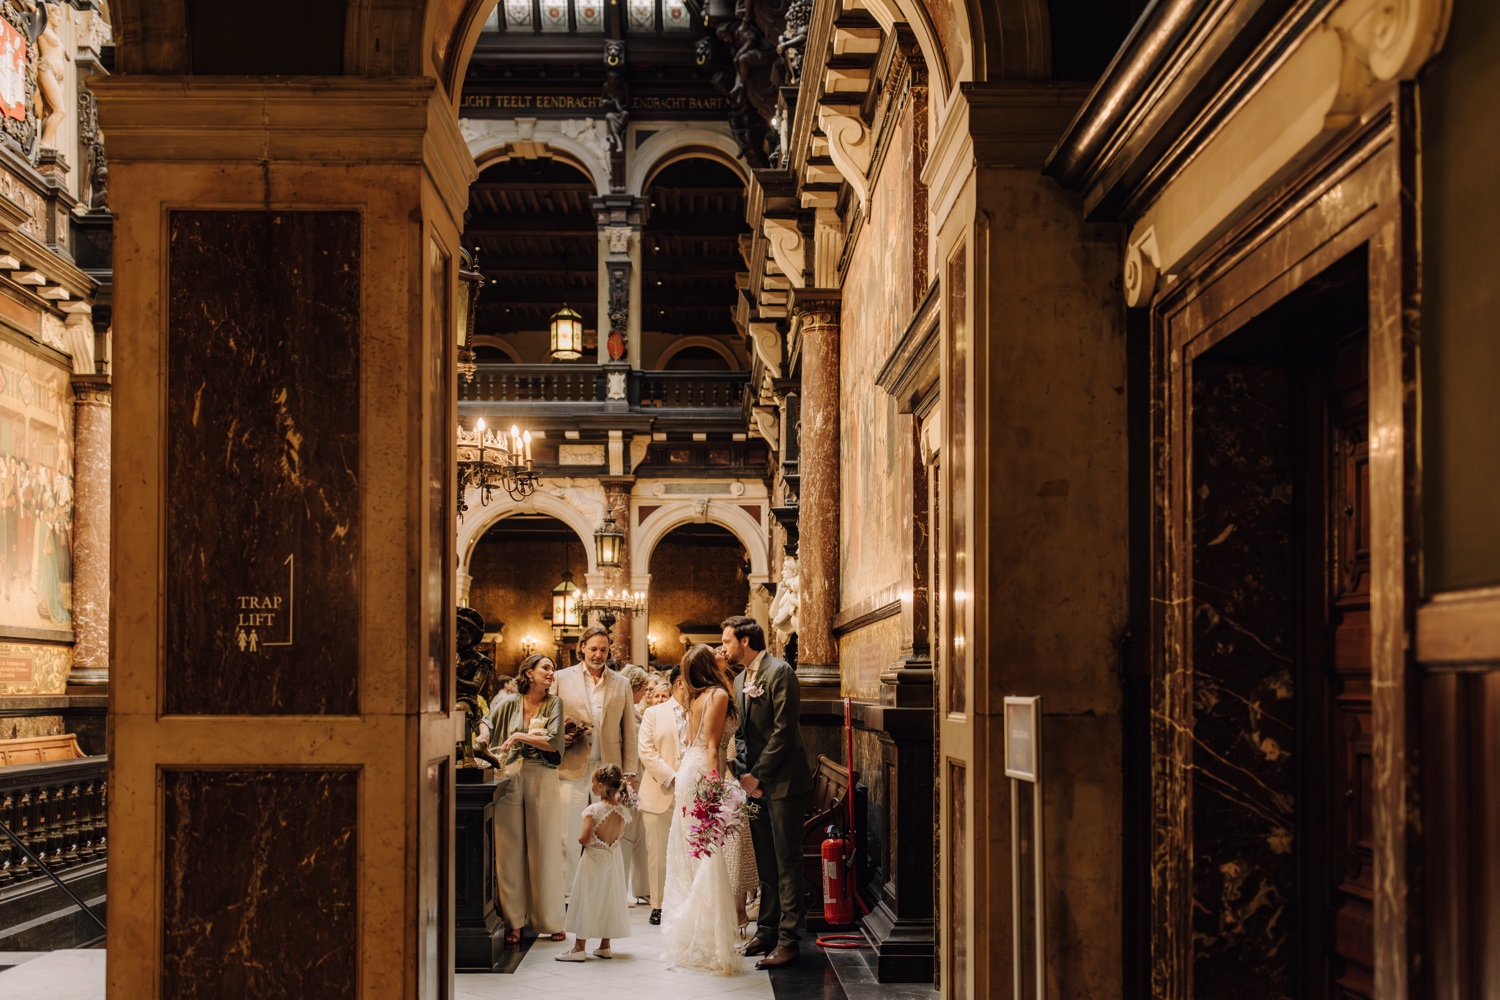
263 460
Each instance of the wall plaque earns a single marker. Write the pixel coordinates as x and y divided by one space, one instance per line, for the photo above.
262 532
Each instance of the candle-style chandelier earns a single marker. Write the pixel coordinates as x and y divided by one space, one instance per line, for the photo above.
488 461
611 606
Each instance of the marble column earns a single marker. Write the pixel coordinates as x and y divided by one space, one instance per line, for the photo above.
617 500
91 452
282 674
816 315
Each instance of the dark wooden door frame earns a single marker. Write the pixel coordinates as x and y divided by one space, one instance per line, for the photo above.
1358 193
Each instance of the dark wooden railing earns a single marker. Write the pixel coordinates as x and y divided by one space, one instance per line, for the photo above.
58 810
571 383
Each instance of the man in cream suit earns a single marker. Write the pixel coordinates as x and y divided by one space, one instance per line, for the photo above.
663 733
599 698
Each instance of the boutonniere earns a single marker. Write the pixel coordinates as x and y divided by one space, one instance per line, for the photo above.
753 690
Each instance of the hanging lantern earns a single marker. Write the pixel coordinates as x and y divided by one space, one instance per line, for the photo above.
565 603
567 335
609 542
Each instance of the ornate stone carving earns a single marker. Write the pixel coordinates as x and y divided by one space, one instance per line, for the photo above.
591 134
52 59
619 308
794 38
1140 269
787 247
587 500
615 386
617 239
818 311
767 425
850 145
786 603
765 337
18 83
616 97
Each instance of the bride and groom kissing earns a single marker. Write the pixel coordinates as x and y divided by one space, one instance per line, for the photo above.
753 725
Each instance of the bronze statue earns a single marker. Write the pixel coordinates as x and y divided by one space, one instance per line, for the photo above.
474 672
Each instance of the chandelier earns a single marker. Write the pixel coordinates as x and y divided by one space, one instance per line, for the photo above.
611 606
488 461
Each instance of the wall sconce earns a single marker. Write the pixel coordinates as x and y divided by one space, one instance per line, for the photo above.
528 646
651 645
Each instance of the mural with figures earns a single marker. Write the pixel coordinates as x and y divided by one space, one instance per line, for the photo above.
876 311
36 523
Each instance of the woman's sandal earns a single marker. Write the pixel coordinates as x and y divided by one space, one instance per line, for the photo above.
559 936
512 938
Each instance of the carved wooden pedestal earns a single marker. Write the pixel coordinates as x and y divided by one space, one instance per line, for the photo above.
479 930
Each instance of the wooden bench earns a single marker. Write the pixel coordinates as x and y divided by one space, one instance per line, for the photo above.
39 749
829 807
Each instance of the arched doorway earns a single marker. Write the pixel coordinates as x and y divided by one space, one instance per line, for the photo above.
513 568
700 575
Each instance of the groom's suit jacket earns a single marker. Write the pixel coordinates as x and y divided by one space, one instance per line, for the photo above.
769 742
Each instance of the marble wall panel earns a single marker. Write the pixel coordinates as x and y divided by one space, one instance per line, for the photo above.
31 668
875 483
864 653
257 864
263 405
1244 644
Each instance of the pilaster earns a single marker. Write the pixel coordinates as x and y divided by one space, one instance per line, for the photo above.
92 416
816 313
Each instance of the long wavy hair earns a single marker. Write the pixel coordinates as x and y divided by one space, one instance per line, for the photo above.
702 673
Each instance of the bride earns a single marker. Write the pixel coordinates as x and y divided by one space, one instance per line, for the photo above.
697 916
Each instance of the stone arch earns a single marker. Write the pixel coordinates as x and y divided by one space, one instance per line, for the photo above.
670 145
716 346
750 532
498 343
481 519
587 151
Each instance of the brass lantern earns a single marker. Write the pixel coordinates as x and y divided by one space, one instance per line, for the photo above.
567 335
609 541
565 603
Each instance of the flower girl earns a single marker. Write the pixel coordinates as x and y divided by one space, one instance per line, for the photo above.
597 906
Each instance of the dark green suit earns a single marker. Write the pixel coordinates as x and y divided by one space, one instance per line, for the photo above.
769 746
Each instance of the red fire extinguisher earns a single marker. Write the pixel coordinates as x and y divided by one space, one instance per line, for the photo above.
838 910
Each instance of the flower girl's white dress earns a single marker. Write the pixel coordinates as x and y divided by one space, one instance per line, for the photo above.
697 910
596 909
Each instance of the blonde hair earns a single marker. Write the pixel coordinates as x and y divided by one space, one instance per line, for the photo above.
612 778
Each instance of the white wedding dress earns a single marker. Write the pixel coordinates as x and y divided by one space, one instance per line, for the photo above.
697 909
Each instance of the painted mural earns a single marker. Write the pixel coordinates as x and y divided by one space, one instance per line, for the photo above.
877 307
36 495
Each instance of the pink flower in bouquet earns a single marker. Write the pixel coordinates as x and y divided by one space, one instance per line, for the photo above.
714 815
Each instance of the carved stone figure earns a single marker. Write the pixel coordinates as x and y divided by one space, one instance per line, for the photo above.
619 309
794 39
785 604
616 97
52 61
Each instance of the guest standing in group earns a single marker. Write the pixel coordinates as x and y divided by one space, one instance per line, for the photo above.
663 738
633 849
599 700
529 725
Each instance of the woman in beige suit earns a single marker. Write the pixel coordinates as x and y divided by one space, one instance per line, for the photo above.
528 819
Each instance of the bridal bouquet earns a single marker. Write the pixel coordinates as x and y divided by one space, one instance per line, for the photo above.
714 816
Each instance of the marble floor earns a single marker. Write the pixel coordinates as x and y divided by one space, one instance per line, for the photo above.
637 971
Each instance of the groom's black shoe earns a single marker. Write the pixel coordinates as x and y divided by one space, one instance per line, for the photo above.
656 916
759 946
781 956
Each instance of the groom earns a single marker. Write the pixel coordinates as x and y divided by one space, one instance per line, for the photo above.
772 765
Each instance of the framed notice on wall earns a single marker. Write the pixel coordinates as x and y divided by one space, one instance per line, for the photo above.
1023 747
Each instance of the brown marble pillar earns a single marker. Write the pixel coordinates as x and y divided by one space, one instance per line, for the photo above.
617 499
92 414
816 313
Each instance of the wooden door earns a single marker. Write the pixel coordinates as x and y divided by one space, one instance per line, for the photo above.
1340 871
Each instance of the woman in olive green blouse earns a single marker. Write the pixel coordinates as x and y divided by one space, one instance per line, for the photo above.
528 817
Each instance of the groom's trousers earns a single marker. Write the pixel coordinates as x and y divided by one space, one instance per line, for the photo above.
776 832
